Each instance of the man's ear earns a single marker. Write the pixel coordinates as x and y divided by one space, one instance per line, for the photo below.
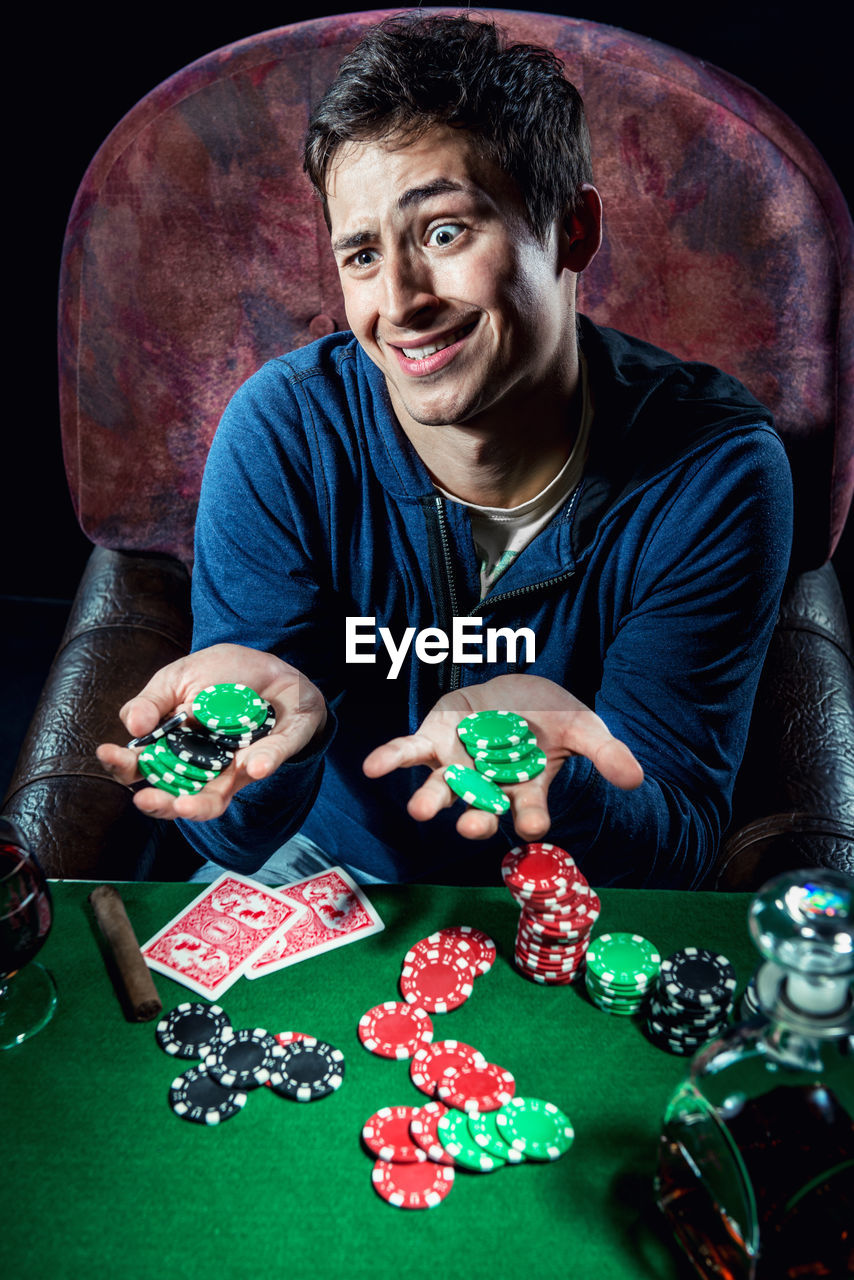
581 230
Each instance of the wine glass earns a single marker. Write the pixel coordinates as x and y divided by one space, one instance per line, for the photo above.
27 991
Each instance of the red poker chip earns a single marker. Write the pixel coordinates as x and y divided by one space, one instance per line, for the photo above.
538 868
552 942
534 942
386 1134
563 891
437 979
583 906
424 1129
550 979
431 1062
476 1087
472 942
540 966
538 938
570 916
537 947
561 896
549 959
395 1030
555 955
574 930
412 1186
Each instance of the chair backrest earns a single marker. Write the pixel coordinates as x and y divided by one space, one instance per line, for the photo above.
196 250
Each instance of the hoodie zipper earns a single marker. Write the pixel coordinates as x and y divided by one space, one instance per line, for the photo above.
455 681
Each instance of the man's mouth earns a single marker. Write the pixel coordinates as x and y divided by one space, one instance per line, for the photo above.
421 353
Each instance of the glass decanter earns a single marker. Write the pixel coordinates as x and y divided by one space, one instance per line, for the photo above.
756 1158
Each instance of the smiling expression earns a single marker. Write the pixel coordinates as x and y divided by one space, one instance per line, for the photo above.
468 316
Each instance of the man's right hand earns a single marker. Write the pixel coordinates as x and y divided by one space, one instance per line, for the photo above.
300 718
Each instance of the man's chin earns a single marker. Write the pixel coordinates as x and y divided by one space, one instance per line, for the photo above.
447 413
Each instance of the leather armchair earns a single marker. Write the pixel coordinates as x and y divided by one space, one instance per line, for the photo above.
195 250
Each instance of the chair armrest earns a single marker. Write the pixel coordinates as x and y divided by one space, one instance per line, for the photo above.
131 615
794 801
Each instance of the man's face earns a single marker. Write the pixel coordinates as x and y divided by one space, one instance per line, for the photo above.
445 286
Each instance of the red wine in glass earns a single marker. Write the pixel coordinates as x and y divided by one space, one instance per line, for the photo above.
27 990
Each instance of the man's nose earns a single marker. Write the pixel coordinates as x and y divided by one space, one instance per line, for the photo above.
408 287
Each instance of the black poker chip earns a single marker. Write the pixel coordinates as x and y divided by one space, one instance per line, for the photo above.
309 1069
246 737
200 748
196 1096
678 1018
243 1059
190 1029
691 1001
166 726
696 976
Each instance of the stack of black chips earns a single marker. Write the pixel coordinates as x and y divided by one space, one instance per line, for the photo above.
691 1001
231 1063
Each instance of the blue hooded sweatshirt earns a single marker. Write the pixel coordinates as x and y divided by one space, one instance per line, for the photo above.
652 596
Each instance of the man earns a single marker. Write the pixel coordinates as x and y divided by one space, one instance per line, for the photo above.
474 449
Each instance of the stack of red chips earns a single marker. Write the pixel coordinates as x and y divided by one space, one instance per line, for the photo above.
559 910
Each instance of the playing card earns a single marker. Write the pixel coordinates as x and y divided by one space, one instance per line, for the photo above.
209 945
337 912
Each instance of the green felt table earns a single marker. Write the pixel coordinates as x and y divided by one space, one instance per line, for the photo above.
102 1179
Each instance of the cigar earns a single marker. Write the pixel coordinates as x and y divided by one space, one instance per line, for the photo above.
143 1002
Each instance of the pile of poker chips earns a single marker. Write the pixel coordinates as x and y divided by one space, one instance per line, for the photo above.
621 971
504 752
181 758
232 1062
437 974
558 912
474 1119
691 1001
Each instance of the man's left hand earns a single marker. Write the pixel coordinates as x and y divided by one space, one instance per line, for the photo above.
563 726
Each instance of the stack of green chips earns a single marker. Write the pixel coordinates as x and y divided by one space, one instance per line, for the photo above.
504 751
184 758
231 710
161 767
621 971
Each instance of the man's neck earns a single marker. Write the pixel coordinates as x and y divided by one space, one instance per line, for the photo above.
508 458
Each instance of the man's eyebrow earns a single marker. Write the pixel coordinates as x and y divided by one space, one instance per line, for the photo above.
354 241
410 197
415 195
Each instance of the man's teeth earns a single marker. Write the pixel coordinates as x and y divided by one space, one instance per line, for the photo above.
421 353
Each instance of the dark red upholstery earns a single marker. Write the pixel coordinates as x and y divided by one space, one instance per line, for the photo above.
196 250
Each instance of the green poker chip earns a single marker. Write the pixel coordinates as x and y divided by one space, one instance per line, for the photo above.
166 758
518 771
230 707
503 755
164 779
490 730
623 961
537 1129
455 1137
476 790
484 1130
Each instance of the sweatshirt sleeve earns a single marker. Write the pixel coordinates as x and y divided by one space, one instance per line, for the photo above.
681 671
258 580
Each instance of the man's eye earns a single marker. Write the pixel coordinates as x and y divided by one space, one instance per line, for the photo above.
446 234
365 258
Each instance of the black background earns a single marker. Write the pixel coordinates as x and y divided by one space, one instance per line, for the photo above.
77 72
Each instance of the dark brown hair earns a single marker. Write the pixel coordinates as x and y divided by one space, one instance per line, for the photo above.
415 71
